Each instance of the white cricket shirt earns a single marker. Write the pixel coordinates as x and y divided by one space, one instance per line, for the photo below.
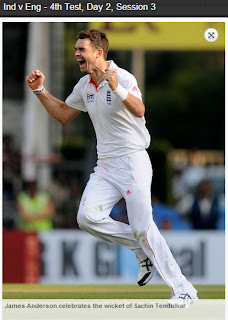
118 131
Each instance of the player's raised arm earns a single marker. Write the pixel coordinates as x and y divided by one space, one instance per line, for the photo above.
133 104
55 107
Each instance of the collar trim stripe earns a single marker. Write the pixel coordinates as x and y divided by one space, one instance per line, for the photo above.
94 83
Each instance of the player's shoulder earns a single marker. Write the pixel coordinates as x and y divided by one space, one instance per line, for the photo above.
82 82
123 74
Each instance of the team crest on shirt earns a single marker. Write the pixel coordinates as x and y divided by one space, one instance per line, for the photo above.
89 96
109 97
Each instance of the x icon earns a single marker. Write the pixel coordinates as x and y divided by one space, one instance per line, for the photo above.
211 35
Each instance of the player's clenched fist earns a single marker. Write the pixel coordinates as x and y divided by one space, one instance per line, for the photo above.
111 77
35 80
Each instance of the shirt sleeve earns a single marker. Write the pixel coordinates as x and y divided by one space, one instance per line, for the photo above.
131 86
75 100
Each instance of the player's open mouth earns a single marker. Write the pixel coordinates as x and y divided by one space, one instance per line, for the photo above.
81 63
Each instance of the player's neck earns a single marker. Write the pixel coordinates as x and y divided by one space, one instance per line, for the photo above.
98 73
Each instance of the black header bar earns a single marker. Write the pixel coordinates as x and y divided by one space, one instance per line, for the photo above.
125 8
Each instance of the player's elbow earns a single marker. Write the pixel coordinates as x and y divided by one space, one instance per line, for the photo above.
141 112
65 113
63 120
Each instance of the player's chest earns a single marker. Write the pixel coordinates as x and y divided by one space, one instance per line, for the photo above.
101 100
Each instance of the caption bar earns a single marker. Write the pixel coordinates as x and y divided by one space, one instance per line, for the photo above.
88 6
112 8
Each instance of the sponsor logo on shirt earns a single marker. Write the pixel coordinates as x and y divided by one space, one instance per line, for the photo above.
109 97
90 96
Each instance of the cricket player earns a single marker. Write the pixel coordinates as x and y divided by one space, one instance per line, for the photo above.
114 103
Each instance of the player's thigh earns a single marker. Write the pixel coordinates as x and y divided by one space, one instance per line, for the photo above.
141 171
139 212
139 207
98 198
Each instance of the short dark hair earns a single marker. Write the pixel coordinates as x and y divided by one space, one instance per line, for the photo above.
98 39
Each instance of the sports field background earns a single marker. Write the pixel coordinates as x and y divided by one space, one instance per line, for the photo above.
40 291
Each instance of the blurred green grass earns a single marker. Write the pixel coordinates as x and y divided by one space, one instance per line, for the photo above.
41 291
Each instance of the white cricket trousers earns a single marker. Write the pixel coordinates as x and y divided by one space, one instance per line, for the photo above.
130 177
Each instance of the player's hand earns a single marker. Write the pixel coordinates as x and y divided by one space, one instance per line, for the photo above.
111 77
35 80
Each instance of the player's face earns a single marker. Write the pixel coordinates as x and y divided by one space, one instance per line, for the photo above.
86 55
